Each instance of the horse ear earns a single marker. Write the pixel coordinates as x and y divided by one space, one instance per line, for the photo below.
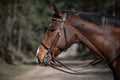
55 10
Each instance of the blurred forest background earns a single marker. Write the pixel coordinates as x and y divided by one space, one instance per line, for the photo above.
23 23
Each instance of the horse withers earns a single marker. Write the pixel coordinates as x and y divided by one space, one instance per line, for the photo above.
99 32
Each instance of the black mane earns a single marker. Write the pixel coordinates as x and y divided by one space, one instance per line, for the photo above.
97 18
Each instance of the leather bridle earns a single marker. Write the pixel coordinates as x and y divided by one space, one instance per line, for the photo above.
51 49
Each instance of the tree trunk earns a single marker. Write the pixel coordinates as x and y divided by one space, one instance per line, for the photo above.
113 7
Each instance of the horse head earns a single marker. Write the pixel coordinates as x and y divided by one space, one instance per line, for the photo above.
59 37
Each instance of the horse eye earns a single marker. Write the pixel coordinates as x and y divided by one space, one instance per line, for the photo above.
52 29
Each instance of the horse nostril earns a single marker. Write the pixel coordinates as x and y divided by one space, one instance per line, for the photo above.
46 59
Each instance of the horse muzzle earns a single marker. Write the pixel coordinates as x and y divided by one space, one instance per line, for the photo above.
46 60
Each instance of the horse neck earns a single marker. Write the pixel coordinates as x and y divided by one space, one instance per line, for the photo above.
85 31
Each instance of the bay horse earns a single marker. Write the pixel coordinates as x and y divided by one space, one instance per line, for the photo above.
99 32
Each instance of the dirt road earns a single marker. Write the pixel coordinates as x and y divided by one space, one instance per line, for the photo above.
47 73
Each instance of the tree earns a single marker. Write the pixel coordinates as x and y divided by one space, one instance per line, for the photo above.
23 22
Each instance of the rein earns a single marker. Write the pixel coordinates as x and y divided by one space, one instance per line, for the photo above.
68 69
71 71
